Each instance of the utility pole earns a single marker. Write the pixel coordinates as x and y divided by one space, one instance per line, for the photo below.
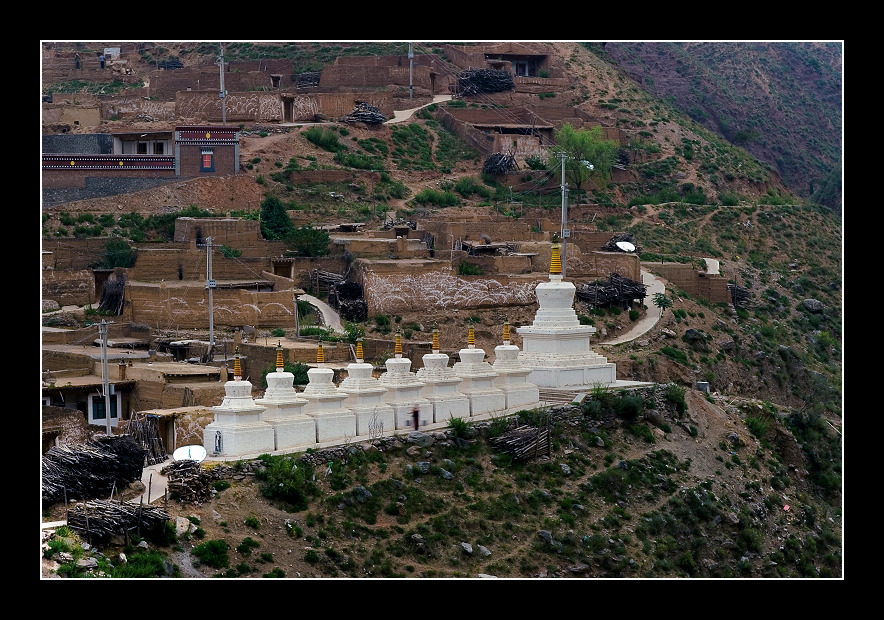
223 93
210 285
565 232
410 70
102 331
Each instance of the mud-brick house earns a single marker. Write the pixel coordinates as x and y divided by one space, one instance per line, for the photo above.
82 166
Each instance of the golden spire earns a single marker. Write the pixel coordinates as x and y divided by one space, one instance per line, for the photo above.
279 363
359 357
237 369
555 265
506 332
471 338
398 349
435 340
320 356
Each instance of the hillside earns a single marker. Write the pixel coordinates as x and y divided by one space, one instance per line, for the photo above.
774 365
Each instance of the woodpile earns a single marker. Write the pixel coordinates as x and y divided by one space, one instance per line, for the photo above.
739 296
309 79
524 442
144 429
499 163
364 113
99 520
93 469
478 81
616 290
188 481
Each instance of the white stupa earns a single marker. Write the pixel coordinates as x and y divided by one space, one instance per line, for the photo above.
512 376
404 389
365 398
325 404
556 346
239 429
292 428
477 380
441 385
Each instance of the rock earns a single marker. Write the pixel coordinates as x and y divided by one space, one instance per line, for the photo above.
361 494
422 439
182 526
667 332
565 469
813 305
467 548
483 551
423 467
446 475
694 335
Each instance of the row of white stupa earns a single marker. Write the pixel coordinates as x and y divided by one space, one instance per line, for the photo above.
556 354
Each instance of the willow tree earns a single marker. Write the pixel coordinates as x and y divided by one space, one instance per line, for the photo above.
587 155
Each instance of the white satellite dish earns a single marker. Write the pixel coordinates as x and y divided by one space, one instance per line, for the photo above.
189 453
625 246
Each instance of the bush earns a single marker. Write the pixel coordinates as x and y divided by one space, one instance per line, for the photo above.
675 394
469 269
213 553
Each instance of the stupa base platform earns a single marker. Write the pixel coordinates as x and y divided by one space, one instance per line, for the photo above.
573 377
237 440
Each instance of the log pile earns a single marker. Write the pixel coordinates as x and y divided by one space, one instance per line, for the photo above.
616 290
145 431
99 520
739 296
93 469
478 81
611 246
524 442
364 113
309 79
189 481
499 163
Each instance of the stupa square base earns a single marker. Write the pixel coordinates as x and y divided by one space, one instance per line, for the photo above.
374 421
294 433
238 440
334 426
573 377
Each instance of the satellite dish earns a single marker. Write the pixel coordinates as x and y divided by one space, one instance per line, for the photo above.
189 453
625 246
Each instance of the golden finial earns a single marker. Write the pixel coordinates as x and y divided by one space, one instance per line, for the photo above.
471 338
237 369
555 265
435 340
279 363
398 349
506 332
320 356
359 356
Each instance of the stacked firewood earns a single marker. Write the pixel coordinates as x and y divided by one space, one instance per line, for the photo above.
611 246
499 163
99 520
189 481
616 290
96 468
524 442
144 429
739 296
309 79
478 81
364 113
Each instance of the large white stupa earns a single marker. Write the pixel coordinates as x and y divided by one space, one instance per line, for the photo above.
556 346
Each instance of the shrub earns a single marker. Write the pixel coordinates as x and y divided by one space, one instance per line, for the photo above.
675 394
213 553
629 407
469 269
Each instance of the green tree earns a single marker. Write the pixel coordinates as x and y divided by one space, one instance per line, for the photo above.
307 241
117 253
662 302
580 148
275 220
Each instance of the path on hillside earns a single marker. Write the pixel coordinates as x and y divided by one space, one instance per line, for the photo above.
404 115
330 317
655 285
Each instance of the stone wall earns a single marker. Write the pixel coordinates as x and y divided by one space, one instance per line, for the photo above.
231 231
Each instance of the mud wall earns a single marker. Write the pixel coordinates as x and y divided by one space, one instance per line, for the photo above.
695 283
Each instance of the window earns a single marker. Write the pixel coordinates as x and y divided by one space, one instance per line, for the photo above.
98 407
158 148
208 163
142 148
